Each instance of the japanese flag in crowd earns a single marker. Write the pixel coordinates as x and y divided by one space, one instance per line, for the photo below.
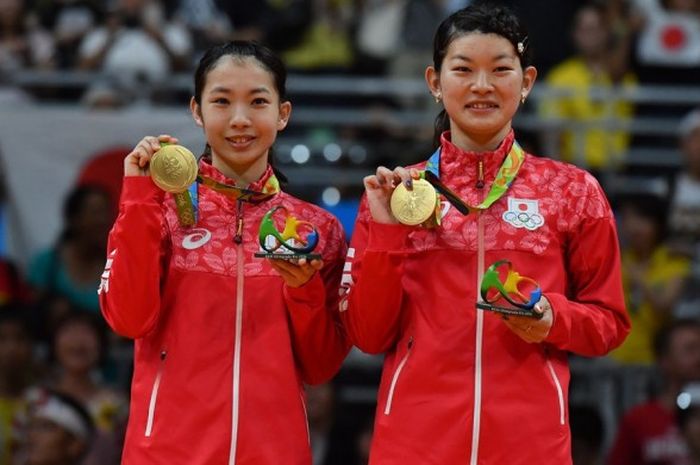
670 39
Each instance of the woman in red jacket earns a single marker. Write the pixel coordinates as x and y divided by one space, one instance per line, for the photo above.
462 385
223 340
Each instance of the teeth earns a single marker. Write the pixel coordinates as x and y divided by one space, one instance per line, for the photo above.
240 139
481 106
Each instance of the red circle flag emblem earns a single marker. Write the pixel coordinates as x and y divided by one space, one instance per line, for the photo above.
670 39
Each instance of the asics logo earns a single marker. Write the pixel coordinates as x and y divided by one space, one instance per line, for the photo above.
197 238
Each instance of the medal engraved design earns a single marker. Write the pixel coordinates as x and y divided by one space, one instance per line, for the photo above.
173 168
415 206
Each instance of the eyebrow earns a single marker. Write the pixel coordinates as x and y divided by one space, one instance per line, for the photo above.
226 90
496 58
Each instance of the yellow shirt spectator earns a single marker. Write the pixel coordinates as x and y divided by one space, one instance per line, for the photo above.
662 269
591 147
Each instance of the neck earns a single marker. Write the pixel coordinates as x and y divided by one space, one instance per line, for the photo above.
243 175
479 142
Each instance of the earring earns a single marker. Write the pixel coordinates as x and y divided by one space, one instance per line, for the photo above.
522 99
438 96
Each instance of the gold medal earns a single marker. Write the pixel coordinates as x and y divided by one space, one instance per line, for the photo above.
416 206
173 168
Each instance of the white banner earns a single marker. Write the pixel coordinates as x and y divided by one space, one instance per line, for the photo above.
43 149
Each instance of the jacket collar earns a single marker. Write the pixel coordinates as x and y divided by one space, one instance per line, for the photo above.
455 161
207 169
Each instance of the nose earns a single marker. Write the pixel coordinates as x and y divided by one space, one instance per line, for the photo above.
239 116
481 83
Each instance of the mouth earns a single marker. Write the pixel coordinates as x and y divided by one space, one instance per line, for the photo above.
481 106
240 141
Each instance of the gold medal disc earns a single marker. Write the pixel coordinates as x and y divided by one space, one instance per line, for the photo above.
414 207
173 168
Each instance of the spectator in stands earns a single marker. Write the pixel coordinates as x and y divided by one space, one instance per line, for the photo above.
80 349
23 43
648 433
653 276
688 414
586 435
206 21
685 200
685 212
594 67
59 431
15 376
71 268
137 47
68 21
326 45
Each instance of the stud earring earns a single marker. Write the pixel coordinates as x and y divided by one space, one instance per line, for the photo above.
523 97
438 97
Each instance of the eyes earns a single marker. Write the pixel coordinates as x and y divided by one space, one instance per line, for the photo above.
255 102
497 70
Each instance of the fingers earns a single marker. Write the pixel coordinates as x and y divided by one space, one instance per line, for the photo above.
296 273
137 160
385 178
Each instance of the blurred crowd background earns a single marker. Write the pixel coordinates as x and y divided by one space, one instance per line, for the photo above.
81 81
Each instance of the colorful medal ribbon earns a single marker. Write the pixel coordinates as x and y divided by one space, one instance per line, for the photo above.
504 178
188 202
271 187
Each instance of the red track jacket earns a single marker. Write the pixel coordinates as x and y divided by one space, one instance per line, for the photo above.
222 346
458 387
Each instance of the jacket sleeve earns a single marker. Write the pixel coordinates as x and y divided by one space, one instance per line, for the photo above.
372 285
130 287
319 342
591 319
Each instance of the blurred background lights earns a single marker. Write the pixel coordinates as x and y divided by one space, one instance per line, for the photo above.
332 152
301 153
331 196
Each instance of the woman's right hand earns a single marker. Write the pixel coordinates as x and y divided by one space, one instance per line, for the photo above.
380 186
136 162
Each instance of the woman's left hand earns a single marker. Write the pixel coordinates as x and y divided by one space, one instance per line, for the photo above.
531 329
296 273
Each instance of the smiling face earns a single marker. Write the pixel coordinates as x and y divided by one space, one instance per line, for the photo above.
240 113
481 82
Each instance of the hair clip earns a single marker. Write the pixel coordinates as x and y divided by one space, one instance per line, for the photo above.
521 46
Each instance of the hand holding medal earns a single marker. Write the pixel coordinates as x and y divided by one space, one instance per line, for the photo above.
172 167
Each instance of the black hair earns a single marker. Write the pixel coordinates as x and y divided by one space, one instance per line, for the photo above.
649 206
662 339
242 49
17 315
88 319
587 425
75 202
484 18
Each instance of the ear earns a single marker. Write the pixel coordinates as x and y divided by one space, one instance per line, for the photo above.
196 112
432 77
285 113
529 77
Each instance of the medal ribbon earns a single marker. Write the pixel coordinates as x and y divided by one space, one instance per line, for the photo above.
187 202
504 178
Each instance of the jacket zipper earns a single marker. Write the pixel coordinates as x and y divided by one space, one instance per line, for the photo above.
479 322
560 391
240 263
397 374
154 395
